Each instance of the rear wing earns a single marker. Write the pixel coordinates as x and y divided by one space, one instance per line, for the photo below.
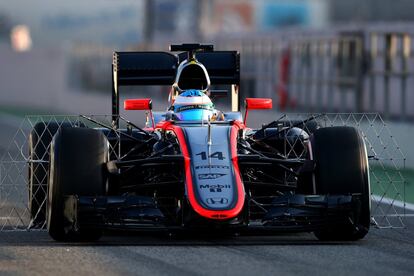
160 68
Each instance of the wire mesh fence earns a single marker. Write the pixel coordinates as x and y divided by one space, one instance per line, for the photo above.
387 163
24 167
24 164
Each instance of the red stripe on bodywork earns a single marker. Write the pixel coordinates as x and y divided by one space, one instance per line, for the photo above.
211 214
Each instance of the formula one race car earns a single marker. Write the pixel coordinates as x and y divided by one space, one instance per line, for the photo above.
196 168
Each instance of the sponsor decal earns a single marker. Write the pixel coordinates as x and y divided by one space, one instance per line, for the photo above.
196 106
218 154
217 200
212 167
215 188
204 176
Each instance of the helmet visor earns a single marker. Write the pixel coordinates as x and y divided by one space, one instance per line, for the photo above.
194 115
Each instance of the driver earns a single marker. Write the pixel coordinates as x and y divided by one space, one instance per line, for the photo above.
194 105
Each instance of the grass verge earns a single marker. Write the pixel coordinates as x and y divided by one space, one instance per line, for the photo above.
393 182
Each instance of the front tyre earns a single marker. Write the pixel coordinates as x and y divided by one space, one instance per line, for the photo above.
39 141
342 169
77 158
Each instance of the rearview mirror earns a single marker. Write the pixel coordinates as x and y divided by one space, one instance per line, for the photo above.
256 103
138 104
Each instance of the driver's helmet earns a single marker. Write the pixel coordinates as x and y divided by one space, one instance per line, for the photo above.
193 105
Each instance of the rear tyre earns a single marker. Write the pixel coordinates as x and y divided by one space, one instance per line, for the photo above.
342 169
77 159
39 141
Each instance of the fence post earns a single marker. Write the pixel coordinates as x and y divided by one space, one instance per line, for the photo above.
389 55
360 70
319 78
405 51
373 53
333 61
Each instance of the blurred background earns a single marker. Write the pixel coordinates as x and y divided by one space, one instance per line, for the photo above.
308 55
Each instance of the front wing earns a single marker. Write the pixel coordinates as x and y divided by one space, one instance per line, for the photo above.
293 213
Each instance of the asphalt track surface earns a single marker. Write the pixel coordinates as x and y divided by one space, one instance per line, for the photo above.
382 252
